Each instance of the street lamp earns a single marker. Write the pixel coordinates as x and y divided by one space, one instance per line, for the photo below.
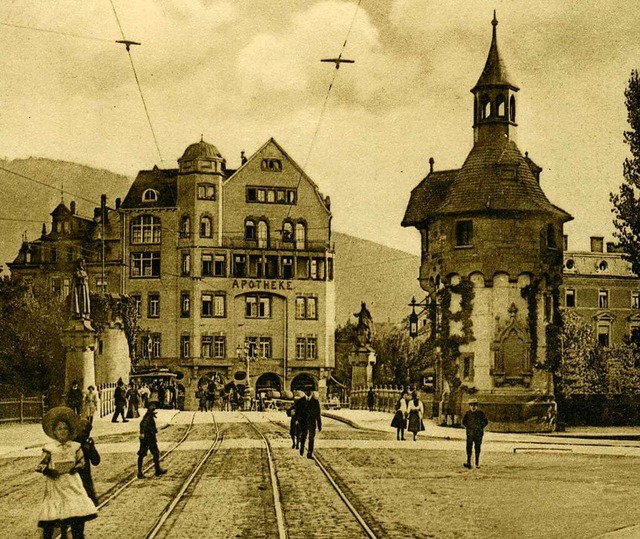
413 317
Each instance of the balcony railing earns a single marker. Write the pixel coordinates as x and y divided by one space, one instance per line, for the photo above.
240 242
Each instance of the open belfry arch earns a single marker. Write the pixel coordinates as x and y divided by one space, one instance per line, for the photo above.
491 263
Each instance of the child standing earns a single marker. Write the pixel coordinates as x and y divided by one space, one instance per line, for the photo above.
65 501
400 418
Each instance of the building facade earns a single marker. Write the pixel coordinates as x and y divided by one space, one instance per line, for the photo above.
492 263
600 286
232 270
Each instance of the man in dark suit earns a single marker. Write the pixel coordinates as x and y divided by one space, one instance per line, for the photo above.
120 400
308 413
474 421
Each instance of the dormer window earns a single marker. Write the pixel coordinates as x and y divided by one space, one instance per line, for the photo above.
206 191
150 195
272 165
186 166
205 164
508 173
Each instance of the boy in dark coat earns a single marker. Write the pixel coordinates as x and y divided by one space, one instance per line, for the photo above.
474 421
308 418
148 440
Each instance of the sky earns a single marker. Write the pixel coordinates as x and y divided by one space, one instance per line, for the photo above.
239 72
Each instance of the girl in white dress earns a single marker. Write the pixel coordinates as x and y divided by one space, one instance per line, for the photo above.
65 500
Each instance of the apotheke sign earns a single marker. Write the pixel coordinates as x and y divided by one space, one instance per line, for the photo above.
262 284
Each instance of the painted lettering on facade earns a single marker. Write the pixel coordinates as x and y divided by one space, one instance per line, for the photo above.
262 284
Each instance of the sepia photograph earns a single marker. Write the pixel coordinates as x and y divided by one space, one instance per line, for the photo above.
298 269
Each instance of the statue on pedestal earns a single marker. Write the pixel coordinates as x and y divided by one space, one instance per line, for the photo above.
80 303
364 329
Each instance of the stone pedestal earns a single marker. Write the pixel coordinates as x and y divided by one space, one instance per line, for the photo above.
79 340
362 361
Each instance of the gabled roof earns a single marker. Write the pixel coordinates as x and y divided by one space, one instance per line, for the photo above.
428 196
494 72
61 209
299 170
161 180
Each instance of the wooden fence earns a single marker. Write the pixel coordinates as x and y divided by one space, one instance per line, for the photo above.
22 409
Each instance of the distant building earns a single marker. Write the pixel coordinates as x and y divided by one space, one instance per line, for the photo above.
228 267
600 286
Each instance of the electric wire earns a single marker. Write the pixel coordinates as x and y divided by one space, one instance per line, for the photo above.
324 106
58 32
135 74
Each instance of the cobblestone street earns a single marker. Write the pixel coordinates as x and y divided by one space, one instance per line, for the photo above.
401 489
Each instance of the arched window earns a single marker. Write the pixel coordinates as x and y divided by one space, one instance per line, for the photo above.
512 109
145 229
485 107
501 106
287 231
150 195
301 235
185 227
249 229
263 234
205 227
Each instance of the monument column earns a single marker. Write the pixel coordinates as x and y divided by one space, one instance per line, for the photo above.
79 337
362 357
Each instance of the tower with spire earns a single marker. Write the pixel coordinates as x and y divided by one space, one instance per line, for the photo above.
491 265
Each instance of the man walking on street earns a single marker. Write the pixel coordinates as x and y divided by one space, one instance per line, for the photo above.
474 421
148 440
120 400
308 413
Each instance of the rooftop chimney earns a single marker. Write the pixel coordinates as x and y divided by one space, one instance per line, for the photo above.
431 163
118 202
43 234
243 158
73 207
597 244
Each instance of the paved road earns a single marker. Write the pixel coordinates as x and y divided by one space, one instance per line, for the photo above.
547 488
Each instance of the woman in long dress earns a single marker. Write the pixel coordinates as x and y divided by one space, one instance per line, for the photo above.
65 503
415 411
399 420
91 403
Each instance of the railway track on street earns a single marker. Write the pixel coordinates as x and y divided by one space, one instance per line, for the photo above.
331 481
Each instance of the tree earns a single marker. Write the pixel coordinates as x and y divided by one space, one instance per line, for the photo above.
626 203
31 352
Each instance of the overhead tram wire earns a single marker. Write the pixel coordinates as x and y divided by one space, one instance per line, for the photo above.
324 104
128 44
66 34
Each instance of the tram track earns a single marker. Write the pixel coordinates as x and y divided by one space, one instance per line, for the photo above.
325 469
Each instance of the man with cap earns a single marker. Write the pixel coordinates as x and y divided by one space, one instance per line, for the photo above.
474 421
148 440
308 413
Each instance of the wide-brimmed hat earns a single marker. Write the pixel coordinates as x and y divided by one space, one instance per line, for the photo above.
472 401
61 413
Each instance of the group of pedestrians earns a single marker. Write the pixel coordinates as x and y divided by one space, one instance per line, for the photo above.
84 404
409 413
305 417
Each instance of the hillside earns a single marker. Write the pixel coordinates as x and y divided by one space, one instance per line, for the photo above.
383 277
27 204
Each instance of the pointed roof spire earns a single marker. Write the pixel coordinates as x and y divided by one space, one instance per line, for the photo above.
494 72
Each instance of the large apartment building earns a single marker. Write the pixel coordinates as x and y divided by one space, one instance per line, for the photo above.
230 268
600 286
